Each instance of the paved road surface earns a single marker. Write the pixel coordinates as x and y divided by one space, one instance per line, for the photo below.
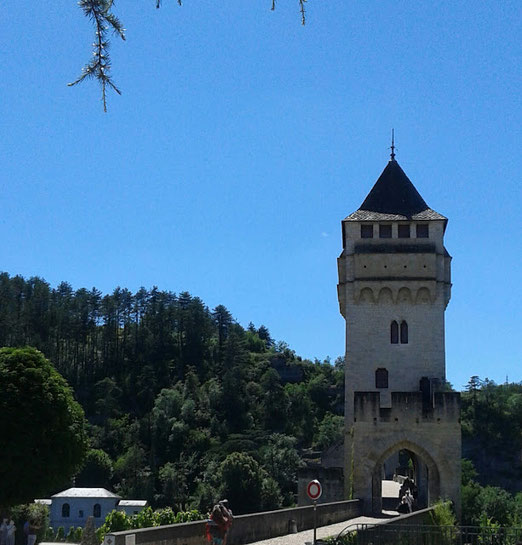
324 531
390 489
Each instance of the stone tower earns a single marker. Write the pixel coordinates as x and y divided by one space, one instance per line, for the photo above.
394 286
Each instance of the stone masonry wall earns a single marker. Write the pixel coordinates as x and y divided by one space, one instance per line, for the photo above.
433 435
246 528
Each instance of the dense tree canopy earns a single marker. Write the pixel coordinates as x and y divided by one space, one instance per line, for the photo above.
97 470
42 424
492 440
171 388
492 431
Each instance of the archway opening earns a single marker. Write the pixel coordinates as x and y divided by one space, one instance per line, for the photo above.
405 479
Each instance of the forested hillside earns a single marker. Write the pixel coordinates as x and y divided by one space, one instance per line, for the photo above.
171 389
492 432
492 446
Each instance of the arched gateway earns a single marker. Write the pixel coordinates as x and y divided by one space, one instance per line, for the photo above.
425 474
394 286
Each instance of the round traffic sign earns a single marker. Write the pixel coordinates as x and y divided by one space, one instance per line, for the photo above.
314 489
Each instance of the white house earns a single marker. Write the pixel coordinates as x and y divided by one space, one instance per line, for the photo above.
132 507
73 506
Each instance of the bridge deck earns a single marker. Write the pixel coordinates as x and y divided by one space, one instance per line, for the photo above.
324 531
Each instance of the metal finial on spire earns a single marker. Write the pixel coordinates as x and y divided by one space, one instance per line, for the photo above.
392 147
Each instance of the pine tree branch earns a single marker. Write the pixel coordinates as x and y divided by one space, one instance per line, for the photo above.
158 3
99 12
303 11
301 8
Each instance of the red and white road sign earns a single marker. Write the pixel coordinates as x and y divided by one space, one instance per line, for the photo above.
314 490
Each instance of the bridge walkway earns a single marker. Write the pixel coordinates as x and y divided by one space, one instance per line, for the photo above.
390 489
324 531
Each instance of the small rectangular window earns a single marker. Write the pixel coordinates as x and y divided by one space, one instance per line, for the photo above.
367 231
385 231
423 230
404 231
381 378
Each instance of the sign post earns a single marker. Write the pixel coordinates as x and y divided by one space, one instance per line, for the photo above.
315 522
314 491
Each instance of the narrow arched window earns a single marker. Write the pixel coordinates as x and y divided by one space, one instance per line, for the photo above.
394 332
66 510
381 378
96 511
404 332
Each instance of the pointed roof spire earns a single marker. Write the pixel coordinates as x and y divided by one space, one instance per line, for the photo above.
392 147
394 197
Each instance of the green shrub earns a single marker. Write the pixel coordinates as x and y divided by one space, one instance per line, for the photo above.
164 517
115 521
70 535
118 521
49 534
144 519
188 516
347 539
60 534
78 534
443 515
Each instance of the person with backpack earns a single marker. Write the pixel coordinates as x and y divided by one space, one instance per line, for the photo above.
219 523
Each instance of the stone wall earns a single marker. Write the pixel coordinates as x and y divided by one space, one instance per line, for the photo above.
331 479
431 433
246 528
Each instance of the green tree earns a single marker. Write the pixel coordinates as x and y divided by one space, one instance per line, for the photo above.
44 425
275 401
330 430
96 471
469 473
134 474
173 480
247 485
281 461
497 504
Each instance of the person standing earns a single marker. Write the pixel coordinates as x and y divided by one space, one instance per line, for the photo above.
3 532
31 536
11 529
228 517
219 523
409 500
26 531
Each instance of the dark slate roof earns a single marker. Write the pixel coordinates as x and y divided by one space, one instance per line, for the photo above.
394 197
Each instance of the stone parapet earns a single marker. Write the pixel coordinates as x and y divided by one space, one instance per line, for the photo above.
246 528
407 407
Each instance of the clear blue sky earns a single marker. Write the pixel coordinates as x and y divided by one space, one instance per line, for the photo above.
242 139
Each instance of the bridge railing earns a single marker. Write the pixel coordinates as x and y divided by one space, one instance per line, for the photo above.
422 534
246 528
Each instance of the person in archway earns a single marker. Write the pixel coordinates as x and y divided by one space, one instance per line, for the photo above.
408 498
